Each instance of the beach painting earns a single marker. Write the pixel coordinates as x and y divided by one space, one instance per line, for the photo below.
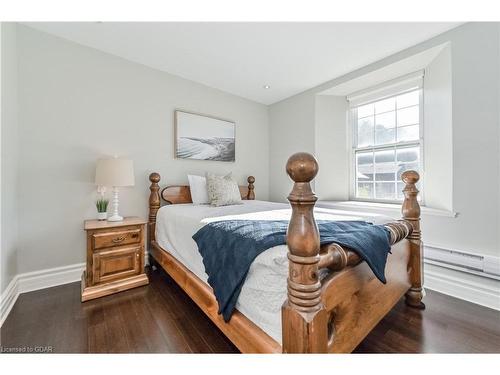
203 137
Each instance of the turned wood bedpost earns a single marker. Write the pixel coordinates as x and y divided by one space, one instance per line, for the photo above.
154 205
251 188
304 318
411 213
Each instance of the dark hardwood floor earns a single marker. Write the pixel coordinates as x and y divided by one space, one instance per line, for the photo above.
160 318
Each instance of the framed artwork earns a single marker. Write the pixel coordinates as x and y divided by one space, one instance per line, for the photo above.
202 137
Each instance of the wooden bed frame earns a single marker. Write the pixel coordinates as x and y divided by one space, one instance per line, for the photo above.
334 299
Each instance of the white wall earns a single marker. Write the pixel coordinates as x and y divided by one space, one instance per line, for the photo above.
475 169
438 132
292 130
77 104
332 147
9 138
475 65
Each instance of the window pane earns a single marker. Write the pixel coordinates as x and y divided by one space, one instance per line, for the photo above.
384 128
385 173
408 99
365 190
408 154
408 116
364 166
365 157
365 132
386 120
385 166
385 190
408 133
365 110
385 105
386 156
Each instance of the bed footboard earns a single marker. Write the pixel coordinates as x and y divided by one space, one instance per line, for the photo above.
334 313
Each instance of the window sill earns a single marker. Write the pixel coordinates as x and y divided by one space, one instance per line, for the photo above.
385 207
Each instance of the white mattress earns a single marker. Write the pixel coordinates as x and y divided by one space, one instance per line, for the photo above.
264 290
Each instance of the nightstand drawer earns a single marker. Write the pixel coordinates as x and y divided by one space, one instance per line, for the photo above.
101 240
116 264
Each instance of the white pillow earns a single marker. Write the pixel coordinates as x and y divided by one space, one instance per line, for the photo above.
198 187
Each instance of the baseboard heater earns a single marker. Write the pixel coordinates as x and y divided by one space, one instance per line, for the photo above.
481 265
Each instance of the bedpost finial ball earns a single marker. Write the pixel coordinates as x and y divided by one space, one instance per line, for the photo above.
154 177
410 177
302 167
251 179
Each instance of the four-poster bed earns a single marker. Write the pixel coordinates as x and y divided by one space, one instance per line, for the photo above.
333 298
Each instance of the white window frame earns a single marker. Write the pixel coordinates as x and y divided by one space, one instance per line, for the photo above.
388 90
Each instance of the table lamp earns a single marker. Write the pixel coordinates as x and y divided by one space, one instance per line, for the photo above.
116 173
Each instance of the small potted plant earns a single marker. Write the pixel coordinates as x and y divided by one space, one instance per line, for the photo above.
102 208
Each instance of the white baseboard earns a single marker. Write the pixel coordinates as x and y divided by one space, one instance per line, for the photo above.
465 289
8 299
30 281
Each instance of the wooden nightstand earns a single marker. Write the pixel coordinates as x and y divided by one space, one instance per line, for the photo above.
115 257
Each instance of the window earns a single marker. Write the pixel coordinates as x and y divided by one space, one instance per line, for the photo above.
386 142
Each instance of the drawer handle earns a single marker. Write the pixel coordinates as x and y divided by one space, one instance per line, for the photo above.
118 239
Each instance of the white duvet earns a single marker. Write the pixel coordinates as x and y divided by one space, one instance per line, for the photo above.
264 290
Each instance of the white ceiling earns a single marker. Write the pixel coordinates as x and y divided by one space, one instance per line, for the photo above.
240 58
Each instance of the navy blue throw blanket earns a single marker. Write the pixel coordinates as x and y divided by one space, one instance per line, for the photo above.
229 247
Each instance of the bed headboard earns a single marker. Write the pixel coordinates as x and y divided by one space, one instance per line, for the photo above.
176 194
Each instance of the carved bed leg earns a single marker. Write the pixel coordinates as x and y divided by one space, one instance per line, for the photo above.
411 213
153 264
304 318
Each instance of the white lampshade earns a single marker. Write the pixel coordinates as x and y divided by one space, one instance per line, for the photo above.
114 172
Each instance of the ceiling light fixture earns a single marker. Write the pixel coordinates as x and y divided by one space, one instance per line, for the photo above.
266 87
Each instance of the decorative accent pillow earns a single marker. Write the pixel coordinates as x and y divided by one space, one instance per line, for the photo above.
222 190
198 187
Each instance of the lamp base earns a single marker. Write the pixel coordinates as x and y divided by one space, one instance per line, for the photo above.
115 218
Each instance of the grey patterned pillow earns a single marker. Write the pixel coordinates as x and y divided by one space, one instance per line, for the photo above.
222 190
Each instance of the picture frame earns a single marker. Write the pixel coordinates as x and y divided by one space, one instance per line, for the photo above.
203 137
